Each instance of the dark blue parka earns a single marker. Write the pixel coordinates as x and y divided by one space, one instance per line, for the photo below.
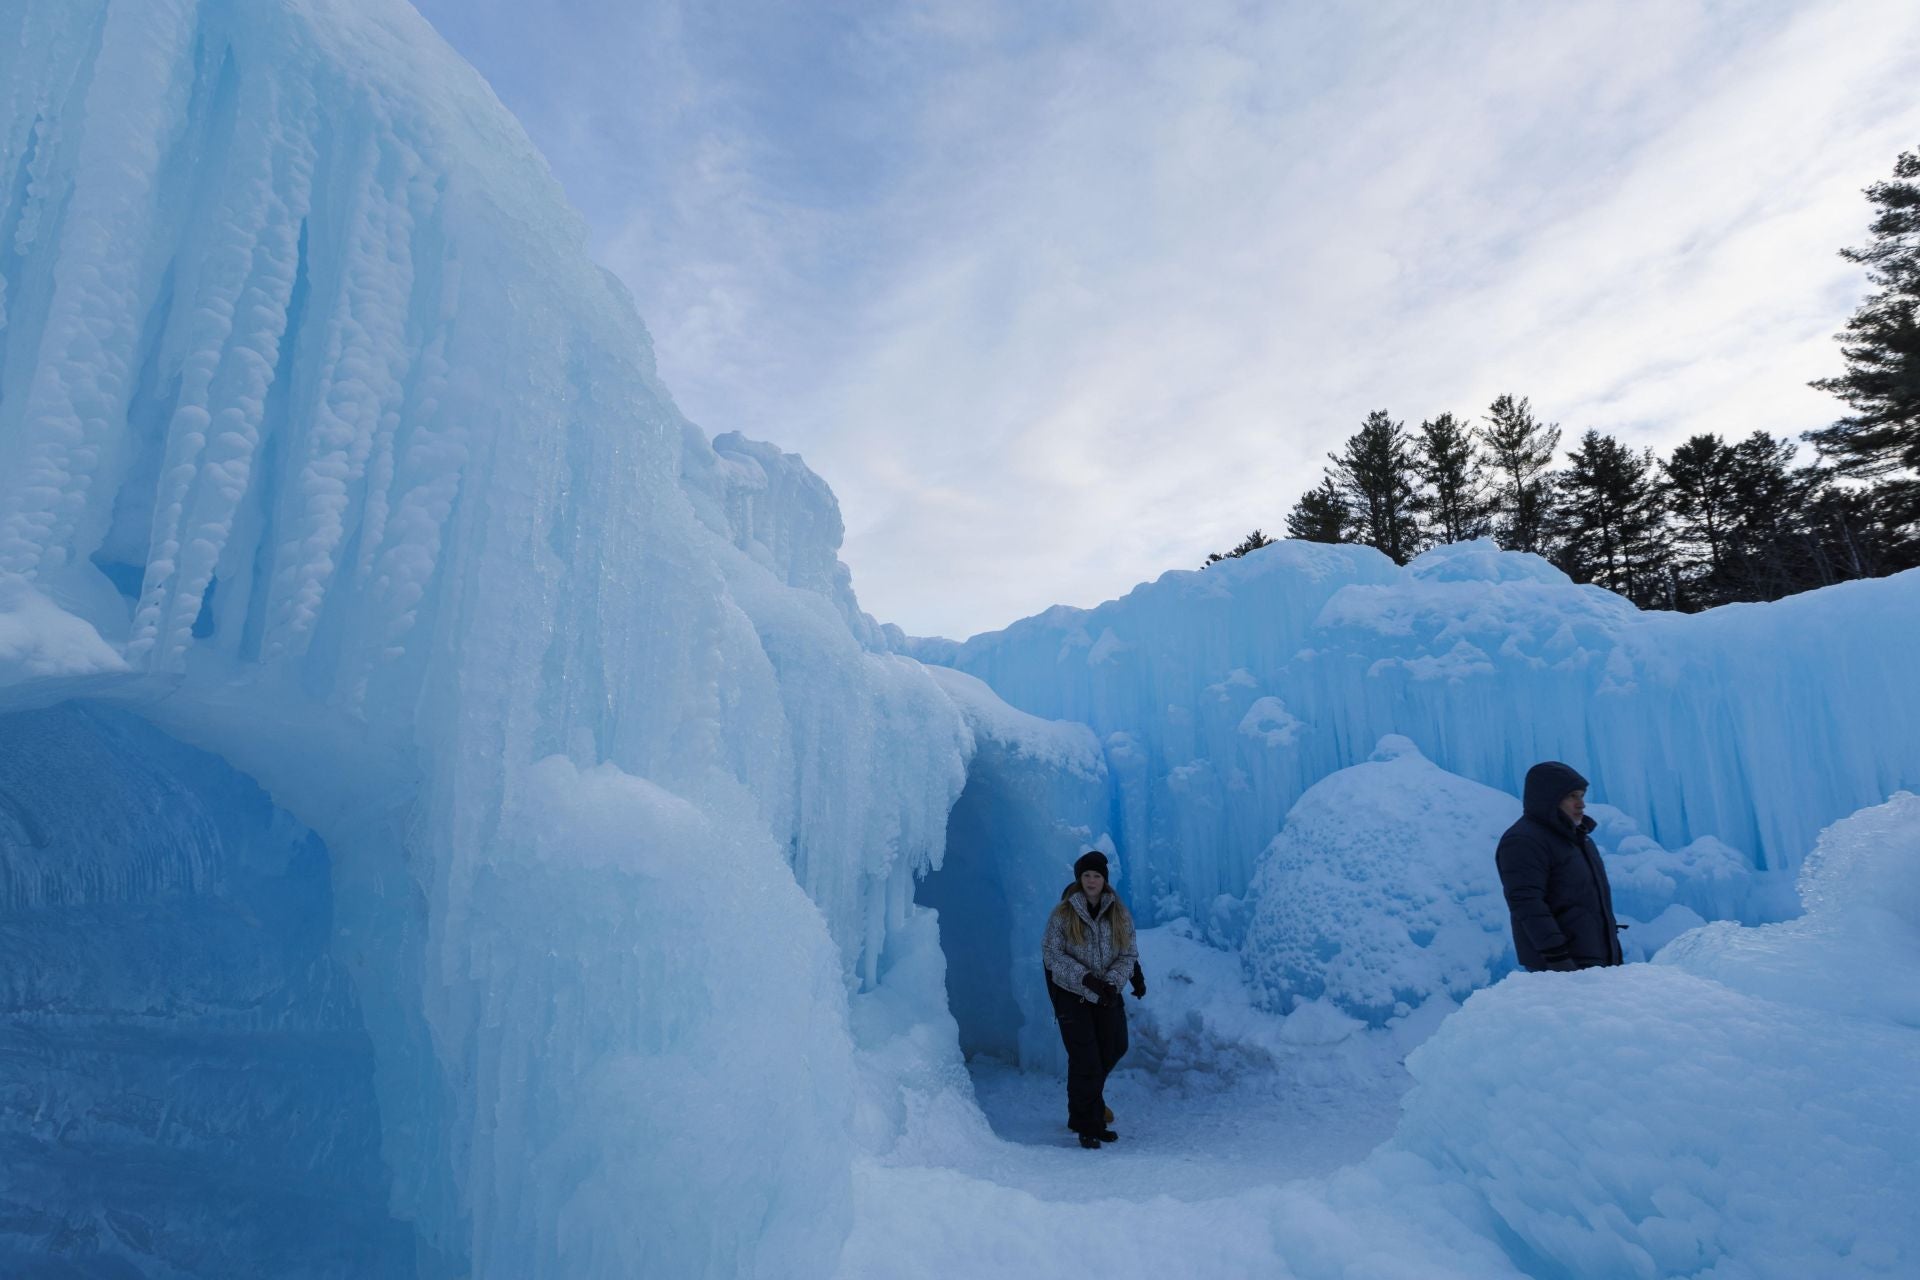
1556 887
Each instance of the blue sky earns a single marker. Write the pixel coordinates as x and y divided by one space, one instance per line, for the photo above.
1059 297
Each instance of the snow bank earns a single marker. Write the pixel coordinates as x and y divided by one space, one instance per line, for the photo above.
1744 1106
1860 939
1644 1121
1203 1026
40 641
1380 892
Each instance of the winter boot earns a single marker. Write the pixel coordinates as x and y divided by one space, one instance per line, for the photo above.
1090 1142
1108 1135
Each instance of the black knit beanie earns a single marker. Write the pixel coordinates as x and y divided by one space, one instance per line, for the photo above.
1091 860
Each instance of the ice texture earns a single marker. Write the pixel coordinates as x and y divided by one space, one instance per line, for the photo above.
187 1088
1223 694
326 453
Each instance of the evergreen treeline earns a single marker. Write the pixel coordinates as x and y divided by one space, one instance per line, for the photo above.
1716 520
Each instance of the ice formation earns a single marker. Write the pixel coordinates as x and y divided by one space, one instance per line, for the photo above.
1223 694
455 818
333 465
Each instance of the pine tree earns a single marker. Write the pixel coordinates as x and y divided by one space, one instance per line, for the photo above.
1609 521
1881 344
1850 531
1702 490
1375 475
1321 515
1519 450
1453 477
1252 542
1766 528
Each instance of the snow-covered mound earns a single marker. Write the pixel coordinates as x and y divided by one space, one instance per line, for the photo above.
1222 695
1380 892
41 642
1857 948
1743 1107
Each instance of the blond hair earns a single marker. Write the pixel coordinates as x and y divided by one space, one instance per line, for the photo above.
1077 927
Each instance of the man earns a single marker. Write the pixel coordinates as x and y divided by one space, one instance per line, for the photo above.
1556 888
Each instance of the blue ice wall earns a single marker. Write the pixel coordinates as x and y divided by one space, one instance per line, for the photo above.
185 1084
326 447
1220 696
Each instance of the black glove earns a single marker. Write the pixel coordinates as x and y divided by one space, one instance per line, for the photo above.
1139 983
1101 988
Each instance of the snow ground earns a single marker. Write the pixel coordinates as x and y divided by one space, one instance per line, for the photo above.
1221 1153
1252 1174
1296 1095
1190 1143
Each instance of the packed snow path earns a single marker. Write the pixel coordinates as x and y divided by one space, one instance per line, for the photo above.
1195 1167
1194 1143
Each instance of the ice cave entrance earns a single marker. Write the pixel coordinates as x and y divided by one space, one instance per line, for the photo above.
198 1078
977 930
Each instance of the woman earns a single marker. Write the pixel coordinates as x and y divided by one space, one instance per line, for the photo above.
1089 951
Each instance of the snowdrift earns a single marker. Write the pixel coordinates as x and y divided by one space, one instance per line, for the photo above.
1743 1106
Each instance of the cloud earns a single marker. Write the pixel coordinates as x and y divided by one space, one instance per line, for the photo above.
1059 297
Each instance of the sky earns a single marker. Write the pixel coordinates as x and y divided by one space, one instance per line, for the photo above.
1058 297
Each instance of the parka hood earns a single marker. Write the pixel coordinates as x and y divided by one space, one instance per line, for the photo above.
1548 783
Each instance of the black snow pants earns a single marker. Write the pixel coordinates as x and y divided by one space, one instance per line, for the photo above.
1096 1039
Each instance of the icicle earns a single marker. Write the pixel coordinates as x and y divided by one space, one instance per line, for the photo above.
74 408
358 391
238 317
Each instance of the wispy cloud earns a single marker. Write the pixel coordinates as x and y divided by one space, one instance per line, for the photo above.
1059 302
